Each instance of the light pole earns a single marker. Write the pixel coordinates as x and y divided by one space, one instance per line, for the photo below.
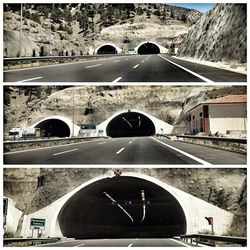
21 27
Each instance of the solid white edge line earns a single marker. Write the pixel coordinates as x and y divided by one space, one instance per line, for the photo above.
188 70
184 153
92 66
64 152
118 152
27 80
117 79
130 245
181 243
136 66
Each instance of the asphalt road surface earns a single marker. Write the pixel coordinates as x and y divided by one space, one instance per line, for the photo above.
117 243
134 68
128 150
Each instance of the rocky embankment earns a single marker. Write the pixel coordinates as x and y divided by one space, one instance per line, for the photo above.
219 35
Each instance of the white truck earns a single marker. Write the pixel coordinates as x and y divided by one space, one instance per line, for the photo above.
23 133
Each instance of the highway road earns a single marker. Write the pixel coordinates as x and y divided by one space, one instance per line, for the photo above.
117 243
127 150
133 68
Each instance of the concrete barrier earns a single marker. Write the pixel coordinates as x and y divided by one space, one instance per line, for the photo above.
238 145
11 146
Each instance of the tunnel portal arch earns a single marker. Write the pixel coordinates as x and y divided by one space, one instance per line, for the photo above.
130 124
107 49
100 217
57 126
148 48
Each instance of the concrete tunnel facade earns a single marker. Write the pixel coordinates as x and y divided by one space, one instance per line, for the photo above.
134 122
57 126
159 196
149 47
108 48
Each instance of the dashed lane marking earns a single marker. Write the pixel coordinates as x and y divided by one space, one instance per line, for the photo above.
30 79
136 66
100 143
184 153
130 142
130 245
116 61
188 70
65 152
93 66
117 79
79 245
118 152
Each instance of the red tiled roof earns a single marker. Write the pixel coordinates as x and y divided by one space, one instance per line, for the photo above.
229 99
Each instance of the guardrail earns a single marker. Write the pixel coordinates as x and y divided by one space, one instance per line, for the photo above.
20 60
205 238
10 146
31 241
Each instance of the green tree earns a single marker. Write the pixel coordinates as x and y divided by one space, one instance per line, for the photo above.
221 198
57 15
139 11
148 14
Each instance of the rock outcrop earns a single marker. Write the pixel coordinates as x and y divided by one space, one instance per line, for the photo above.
219 35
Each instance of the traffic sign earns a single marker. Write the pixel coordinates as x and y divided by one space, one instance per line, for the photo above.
37 223
88 126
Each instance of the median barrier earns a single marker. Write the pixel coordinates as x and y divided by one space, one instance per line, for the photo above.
28 241
12 146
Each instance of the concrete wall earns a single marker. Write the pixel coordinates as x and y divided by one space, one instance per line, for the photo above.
12 218
160 126
195 210
225 117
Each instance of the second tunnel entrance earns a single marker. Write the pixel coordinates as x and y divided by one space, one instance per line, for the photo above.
130 124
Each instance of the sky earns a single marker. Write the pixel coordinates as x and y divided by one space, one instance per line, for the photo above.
202 7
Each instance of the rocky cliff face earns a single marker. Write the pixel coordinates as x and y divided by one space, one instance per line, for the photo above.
74 28
25 106
219 35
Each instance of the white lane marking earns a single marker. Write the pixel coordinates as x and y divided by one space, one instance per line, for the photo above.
100 143
31 79
79 245
92 66
65 152
130 142
56 146
117 79
184 153
130 245
57 65
66 241
188 70
147 58
116 61
136 66
143 61
179 242
118 152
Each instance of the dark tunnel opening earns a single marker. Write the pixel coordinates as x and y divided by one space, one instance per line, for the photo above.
114 208
130 124
107 49
54 128
148 48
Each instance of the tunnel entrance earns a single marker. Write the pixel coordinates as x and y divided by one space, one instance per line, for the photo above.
148 48
54 128
114 208
130 124
107 49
